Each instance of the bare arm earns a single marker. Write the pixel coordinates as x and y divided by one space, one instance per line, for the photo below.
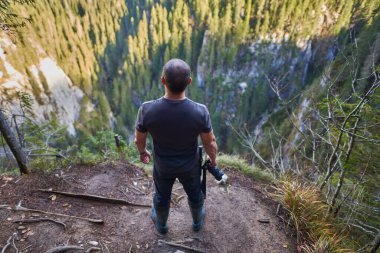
140 141
209 143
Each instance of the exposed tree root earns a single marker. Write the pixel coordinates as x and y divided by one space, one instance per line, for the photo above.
10 242
95 198
21 208
182 246
93 249
41 219
64 248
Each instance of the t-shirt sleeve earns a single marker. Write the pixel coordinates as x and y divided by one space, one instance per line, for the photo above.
140 121
207 127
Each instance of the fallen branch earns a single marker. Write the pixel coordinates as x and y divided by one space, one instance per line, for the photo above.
55 155
63 248
181 246
13 242
40 219
21 208
93 249
95 198
10 241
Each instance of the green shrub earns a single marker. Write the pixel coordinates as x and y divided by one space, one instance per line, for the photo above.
102 147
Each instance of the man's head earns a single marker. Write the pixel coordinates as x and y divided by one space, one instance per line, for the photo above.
176 75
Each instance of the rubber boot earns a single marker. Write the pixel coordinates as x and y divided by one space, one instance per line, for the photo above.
198 212
159 216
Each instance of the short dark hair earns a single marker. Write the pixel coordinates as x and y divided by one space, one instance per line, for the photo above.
176 73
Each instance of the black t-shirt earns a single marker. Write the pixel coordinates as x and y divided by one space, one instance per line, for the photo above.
174 126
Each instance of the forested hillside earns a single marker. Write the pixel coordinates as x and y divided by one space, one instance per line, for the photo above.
291 85
233 47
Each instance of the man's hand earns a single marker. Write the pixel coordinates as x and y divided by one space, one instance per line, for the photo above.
212 163
140 141
145 157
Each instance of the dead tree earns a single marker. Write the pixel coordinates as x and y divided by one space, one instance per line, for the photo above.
14 145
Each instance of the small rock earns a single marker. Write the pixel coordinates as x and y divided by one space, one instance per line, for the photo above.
179 251
93 243
263 220
21 227
134 183
29 233
9 219
53 197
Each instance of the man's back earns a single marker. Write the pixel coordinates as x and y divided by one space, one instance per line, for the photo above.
174 126
175 122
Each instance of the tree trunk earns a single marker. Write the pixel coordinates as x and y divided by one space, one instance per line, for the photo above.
375 244
13 144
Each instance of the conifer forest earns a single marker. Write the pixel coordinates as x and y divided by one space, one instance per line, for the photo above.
292 88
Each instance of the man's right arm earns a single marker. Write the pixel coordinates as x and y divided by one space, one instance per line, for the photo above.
211 148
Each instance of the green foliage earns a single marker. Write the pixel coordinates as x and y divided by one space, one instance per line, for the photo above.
324 124
76 34
235 162
9 21
35 86
118 48
8 167
101 147
44 82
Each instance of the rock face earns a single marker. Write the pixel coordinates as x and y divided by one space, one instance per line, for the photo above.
56 96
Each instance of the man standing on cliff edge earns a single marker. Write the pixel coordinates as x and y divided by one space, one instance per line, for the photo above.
175 122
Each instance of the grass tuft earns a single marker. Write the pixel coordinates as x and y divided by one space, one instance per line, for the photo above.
307 214
235 162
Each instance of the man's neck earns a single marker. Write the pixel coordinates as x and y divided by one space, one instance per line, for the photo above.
171 96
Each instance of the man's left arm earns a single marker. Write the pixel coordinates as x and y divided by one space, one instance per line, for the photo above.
140 141
141 134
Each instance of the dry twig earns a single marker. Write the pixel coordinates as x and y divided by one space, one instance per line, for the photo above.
95 198
181 246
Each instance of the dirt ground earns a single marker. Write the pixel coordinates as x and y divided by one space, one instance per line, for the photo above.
231 224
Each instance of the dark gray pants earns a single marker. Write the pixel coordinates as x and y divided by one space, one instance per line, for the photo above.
163 189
